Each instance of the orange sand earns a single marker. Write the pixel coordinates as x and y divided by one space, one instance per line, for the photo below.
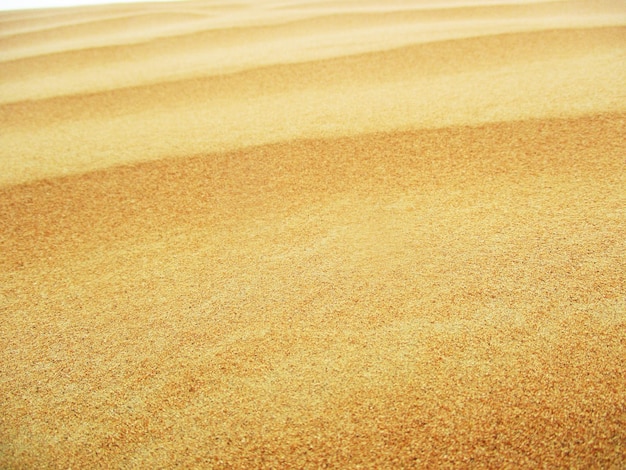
313 234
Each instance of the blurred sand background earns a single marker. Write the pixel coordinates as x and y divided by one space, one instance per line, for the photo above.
308 234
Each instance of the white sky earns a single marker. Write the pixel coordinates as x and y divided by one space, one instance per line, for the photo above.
28 4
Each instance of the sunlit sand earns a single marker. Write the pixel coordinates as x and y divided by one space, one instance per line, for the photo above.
304 234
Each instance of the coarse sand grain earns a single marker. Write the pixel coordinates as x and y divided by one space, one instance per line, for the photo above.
313 235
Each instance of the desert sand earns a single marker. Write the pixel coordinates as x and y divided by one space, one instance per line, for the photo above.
310 234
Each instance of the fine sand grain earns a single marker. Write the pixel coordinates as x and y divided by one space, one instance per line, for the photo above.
308 234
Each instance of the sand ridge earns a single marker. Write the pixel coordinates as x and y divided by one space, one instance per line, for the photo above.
407 250
287 71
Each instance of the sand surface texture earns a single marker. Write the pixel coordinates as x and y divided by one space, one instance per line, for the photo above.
308 234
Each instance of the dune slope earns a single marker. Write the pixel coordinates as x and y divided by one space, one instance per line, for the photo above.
313 234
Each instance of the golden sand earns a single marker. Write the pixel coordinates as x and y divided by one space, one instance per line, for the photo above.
313 234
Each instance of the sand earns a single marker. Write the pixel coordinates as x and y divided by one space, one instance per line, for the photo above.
309 234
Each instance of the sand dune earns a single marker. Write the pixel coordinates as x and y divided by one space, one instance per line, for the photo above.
536 74
313 234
